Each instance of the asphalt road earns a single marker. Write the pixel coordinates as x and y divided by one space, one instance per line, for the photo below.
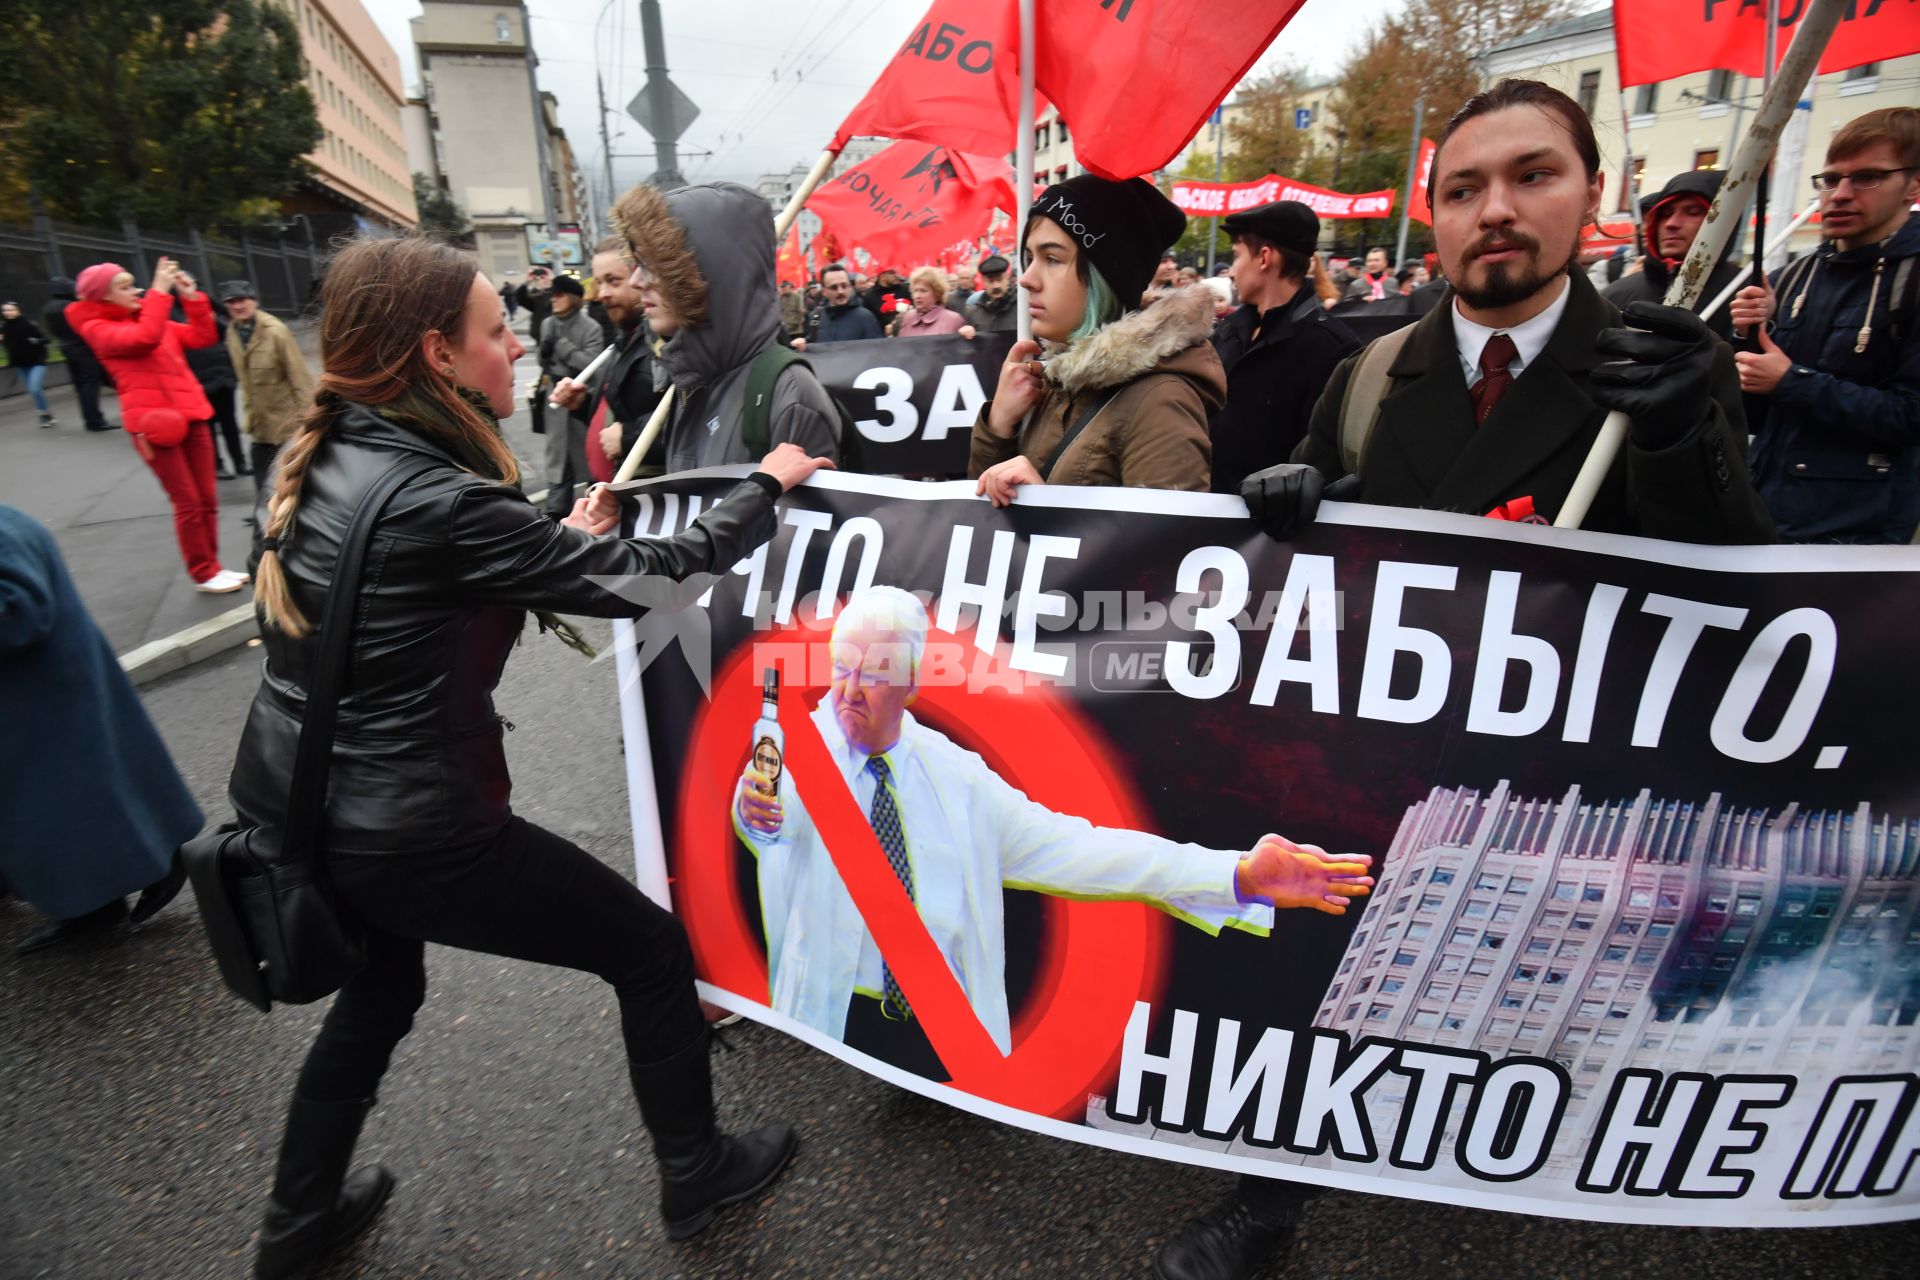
140 1108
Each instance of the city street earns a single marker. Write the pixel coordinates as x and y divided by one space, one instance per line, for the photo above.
142 1106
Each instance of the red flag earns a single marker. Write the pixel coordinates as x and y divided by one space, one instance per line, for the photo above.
789 267
1419 209
911 199
1135 79
955 82
1658 39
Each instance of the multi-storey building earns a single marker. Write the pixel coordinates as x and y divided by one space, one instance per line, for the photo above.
778 188
359 170
491 137
1695 121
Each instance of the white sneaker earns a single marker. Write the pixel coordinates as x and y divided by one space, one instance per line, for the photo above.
222 582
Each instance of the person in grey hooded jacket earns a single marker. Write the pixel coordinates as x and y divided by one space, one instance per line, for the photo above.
704 263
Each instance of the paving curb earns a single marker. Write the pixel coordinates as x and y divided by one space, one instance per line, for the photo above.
192 644
204 640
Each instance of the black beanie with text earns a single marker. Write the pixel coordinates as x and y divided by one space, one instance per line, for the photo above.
1122 227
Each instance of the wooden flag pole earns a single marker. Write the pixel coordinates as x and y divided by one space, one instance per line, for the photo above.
1803 55
655 425
815 176
1023 172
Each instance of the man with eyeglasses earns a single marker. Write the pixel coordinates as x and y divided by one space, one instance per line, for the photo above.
1833 393
844 318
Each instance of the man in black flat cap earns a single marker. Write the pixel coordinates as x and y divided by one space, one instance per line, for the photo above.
1279 348
992 309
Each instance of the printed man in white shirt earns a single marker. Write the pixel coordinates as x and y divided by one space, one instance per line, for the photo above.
962 833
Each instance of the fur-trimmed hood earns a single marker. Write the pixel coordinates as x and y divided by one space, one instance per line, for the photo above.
1169 336
710 251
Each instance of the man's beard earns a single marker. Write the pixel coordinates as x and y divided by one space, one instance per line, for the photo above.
1508 283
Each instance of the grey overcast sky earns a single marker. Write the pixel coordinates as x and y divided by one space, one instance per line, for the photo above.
772 78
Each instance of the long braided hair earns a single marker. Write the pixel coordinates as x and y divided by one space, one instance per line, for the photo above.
381 298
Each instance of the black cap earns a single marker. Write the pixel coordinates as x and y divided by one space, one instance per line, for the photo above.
1288 224
1122 227
231 289
567 284
994 266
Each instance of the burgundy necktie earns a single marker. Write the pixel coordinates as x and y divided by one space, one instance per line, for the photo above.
1494 378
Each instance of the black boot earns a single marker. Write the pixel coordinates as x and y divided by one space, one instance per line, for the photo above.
701 1169
1228 1242
315 1207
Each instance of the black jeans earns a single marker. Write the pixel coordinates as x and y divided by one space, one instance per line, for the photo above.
262 456
528 895
226 424
86 375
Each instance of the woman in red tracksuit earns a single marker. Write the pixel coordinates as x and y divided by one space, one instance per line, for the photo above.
160 400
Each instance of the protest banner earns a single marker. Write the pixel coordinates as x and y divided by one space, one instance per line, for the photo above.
913 401
1661 41
951 84
1647 838
1216 199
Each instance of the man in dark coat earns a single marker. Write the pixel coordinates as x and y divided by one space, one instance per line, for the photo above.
1670 218
1451 434
536 297
1516 176
1279 347
994 311
213 366
85 371
844 318
93 813
624 386
1833 393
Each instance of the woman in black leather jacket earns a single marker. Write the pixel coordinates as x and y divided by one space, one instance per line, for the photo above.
421 843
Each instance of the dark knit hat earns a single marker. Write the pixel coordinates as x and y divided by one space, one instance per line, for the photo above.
1122 227
567 284
231 289
1287 224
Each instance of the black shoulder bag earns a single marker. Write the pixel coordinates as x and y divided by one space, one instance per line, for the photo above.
1091 410
264 898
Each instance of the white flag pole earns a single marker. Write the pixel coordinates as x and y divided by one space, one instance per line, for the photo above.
1745 273
815 176
1023 170
1796 69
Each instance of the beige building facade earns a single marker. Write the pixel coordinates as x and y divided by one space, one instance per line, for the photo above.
487 127
354 75
1696 121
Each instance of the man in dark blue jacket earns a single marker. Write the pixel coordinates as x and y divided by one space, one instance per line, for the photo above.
844 318
1833 394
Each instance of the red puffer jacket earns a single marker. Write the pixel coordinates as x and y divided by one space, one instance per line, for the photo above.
145 353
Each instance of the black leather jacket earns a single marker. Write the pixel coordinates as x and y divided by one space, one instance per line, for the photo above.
455 561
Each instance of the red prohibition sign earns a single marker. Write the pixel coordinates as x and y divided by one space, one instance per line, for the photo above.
1098 958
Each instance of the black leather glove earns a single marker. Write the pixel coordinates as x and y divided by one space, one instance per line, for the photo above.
1285 499
1661 375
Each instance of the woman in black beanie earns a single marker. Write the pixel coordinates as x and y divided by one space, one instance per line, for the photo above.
1121 395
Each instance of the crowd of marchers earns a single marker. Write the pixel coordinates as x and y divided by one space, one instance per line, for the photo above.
1794 416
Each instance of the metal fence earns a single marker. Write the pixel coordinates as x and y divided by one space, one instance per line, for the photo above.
283 263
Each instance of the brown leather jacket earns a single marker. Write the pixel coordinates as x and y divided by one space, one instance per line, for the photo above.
1153 433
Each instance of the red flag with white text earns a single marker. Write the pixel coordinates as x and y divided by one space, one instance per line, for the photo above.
1135 79
955 82
911 200
1660 39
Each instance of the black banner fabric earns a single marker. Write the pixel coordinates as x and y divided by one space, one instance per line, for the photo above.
913 399
1032 822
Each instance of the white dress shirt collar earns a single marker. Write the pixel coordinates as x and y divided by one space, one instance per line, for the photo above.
1529 336
852 758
